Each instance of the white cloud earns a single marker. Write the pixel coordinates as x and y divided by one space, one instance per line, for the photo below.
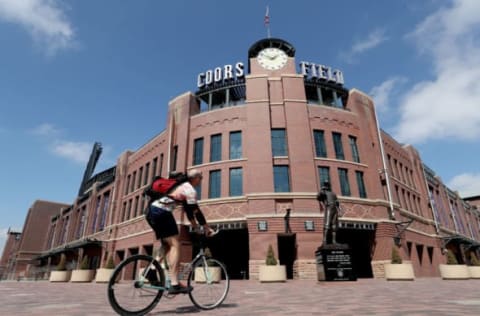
45 129
45 20
383 92
374 38
76 151
467 184
446 106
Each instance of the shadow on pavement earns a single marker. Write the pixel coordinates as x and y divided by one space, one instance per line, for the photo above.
191 309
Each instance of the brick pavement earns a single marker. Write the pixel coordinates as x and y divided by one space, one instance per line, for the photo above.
428 296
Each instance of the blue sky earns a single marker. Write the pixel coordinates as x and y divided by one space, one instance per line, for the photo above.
78 71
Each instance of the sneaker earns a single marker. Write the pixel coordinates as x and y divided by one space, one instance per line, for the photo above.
179 289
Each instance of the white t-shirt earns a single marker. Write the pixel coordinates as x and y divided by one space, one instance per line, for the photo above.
184 192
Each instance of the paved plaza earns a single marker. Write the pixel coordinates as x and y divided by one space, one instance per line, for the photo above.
428 296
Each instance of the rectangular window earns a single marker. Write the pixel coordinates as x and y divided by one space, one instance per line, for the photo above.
214 184
354 148
198 151
175 156
236 182
127 185
103 218
147 170
140 176
362 192
198 188
161 165
216 147
96 214
83 221
344 183
281 178
129 210
337 144
279 143
324 175
154 167
132 184
235 145
320 147
135 208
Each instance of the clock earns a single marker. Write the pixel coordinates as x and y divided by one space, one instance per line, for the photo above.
272 58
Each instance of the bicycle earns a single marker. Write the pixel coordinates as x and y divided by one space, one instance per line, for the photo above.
142 278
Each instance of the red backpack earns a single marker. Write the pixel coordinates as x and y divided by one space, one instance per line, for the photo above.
161 187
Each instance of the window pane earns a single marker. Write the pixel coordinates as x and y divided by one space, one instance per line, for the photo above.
361 185
279 145
344 184
281 178
175 156
324 175
198 188
320 147
198 151
216 147
337 143
214 184
236 182
235 145
354 147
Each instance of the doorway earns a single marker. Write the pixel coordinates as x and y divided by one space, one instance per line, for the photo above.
287 251
361 243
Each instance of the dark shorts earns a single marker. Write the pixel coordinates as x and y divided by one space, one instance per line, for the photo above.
162 222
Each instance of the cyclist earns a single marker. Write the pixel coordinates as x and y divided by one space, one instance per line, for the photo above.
161 219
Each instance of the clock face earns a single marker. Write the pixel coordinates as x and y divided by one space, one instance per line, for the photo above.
272 58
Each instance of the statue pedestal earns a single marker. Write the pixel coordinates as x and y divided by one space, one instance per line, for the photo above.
334 263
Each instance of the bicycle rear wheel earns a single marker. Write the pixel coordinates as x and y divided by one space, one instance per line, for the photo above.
210 282
132 289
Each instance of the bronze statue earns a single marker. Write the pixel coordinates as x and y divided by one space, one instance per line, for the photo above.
330 204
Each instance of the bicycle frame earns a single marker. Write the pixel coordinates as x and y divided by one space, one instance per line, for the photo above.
162 259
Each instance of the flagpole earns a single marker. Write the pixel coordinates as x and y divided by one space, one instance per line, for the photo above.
267 21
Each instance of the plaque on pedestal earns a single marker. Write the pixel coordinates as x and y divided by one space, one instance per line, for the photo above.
334 263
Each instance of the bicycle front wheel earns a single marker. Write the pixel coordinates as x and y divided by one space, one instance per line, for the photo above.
136 285
210 282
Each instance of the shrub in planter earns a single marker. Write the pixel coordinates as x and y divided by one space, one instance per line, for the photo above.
451 259
271 271
453 270
104 274
61 274
83 274
398 270
474 268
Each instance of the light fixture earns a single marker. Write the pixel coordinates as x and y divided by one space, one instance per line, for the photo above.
309 226
262 226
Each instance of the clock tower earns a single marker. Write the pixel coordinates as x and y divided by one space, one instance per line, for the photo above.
271 56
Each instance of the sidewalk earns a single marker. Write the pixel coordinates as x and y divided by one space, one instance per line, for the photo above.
428 296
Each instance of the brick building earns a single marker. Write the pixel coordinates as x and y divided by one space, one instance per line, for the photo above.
266 135
7 261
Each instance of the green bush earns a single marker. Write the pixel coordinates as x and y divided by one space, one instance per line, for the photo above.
110 264
396 259
271 260
84 264
451 259
474 261
62 265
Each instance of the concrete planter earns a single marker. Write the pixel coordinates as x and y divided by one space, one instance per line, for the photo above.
454 271
403 271
474 272
60 276
82 275
214 274
103 275
272 273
